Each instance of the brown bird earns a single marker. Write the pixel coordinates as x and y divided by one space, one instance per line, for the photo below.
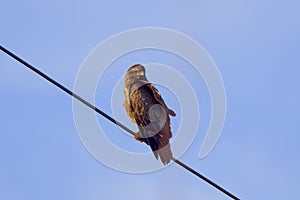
146 108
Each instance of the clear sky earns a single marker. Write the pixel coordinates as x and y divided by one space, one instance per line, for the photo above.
255 45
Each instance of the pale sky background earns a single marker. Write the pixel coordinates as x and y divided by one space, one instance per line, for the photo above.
255 45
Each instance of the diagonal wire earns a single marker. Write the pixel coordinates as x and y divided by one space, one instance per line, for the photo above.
76 96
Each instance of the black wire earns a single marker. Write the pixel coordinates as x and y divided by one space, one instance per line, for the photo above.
51 80
204 178
110 118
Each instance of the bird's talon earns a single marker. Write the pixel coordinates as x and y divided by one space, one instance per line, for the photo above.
138 139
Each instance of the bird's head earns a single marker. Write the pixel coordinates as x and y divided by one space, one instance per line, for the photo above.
136 72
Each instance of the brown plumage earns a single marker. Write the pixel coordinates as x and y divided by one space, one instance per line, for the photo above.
146 108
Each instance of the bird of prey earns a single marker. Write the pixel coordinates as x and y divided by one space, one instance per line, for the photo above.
146 108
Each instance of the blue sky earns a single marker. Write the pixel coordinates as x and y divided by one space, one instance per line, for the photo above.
255 46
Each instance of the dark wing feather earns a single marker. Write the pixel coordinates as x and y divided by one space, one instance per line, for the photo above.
158 98
155 135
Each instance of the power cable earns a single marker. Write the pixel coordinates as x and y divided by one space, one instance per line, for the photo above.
76 96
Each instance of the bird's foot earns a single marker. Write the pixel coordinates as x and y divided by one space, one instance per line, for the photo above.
138 139
138 136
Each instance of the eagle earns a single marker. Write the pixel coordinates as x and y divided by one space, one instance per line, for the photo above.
147 109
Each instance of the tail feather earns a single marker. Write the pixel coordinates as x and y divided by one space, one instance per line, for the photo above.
164 153
155 154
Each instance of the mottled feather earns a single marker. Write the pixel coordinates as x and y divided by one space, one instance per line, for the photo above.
147 109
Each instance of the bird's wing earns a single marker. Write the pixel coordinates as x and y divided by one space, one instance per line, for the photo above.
158 98
147 109
164 134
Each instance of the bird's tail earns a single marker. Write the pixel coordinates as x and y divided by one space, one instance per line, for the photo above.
160 145
164 153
